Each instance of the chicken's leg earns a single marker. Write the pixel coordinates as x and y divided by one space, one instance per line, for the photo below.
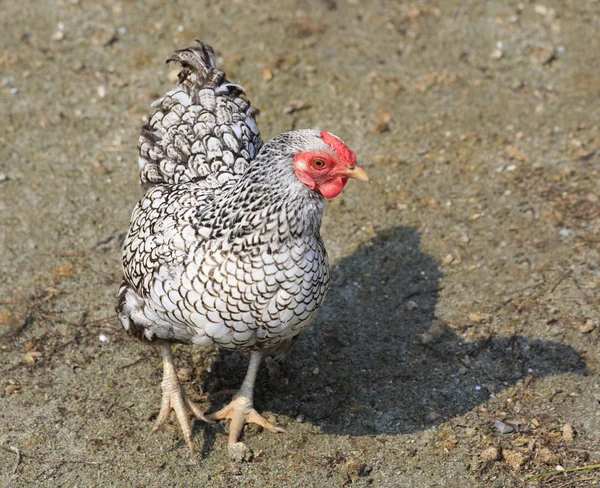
175 398
241 409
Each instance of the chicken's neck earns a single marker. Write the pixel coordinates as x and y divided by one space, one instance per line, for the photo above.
257 213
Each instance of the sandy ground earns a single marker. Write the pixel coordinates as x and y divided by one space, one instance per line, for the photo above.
460 342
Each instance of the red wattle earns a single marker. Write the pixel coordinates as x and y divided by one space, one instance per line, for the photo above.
332 188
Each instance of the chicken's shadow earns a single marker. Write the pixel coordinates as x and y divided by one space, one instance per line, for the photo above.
374 363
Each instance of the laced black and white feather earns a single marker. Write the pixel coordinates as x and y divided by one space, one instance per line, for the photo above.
224 247
203 127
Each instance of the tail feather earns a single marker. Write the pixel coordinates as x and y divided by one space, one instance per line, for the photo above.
203 126
199 67
195 57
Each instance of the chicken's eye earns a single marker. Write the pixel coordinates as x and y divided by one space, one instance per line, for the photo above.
318 163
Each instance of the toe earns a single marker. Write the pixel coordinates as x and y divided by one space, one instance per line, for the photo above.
255 418
163 414
199 414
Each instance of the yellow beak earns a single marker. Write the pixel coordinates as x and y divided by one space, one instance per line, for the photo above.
356 172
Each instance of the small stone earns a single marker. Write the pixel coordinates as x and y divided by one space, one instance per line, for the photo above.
475 216
513 153
58 36
470 431
300 418
295 106
587 327
433 416
568 433
545 456
184 374
267 74
103 36
448 259
503 428
514 458
239 452
384 115
565 232
496 54
353 468
12 389
411 305
490 454
473 317
381 127
31 357
541 56
101 91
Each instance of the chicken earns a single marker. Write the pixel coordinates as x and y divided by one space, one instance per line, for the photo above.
224 247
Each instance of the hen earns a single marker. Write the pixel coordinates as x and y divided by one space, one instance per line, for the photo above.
224 247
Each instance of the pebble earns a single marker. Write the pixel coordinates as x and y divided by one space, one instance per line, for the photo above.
568 433
544 455
411 305
587 327
565 232
184 374
496 54
514 458
541 56
103 36
353 468
490 454
503 428
267 74
31 357
239 452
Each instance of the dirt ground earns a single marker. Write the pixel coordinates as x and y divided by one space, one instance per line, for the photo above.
459 345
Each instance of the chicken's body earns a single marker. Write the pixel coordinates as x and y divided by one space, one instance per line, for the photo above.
224 248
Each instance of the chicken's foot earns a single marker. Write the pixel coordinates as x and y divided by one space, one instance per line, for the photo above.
175 398
241 410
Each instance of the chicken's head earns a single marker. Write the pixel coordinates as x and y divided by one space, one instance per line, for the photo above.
327 165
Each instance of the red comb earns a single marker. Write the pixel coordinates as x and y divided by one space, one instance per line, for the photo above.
340 148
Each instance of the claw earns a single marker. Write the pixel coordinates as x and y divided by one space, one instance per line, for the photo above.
175 398
241 412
